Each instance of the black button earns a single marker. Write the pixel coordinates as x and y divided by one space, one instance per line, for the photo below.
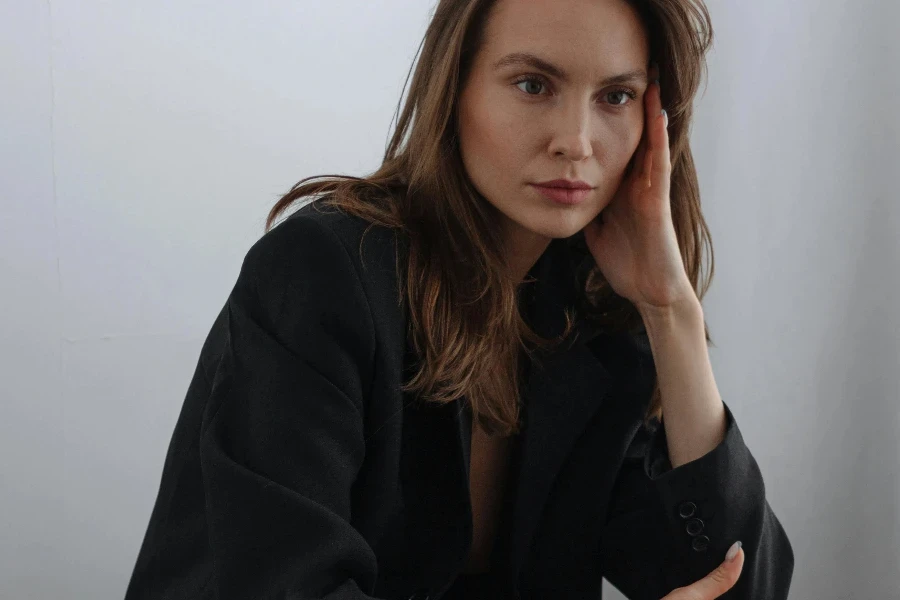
687 510
700 543
420 595
694 527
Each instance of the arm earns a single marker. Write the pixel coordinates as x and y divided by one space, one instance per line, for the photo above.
647 548
282 439
693 413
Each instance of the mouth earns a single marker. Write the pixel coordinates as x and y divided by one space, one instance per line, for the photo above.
564 191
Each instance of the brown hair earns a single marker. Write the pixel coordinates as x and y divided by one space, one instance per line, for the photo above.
465 322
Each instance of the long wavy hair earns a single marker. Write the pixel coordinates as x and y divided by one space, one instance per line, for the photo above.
465 323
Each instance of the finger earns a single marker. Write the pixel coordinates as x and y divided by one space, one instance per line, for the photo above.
640 154
636 170
657 166
715 584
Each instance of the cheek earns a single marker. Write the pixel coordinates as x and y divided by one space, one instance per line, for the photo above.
626 138
490 139
631 135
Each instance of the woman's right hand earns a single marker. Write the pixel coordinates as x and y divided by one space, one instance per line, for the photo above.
713 585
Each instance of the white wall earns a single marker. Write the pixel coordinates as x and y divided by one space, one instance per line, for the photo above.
142 144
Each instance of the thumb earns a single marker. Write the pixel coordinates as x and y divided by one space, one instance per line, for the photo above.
716 583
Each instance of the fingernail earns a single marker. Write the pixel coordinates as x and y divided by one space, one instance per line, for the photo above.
732 552
665 116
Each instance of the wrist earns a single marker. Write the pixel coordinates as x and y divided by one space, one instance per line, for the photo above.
687 310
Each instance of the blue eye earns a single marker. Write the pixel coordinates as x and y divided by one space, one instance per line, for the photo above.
532 86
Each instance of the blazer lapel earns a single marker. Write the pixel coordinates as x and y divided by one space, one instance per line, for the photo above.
561 398
563 392
435 483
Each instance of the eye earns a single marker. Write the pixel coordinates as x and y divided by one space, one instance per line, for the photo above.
622 94
531 85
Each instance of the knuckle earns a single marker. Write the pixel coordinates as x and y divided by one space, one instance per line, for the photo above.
719 575
681 593
686 593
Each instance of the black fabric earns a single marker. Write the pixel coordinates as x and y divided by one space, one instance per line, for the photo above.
299 469
478 586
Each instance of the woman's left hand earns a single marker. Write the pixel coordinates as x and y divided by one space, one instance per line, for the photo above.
633 240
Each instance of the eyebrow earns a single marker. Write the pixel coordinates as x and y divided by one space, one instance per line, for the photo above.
535 62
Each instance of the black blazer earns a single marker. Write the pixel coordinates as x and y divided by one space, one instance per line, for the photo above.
298 469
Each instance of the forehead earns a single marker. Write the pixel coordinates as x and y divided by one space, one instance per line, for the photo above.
593 35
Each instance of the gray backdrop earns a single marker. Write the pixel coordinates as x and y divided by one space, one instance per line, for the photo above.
141 145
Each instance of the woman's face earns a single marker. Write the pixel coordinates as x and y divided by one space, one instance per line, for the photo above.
538 106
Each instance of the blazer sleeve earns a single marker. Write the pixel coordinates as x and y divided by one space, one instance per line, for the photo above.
668 528
282 439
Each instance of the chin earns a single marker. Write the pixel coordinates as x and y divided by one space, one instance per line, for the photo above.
559 226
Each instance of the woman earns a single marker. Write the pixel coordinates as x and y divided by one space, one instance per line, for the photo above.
481 371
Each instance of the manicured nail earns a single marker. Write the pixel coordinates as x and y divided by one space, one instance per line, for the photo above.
733 551
665 116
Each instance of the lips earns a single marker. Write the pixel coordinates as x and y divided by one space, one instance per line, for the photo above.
564 191
568 184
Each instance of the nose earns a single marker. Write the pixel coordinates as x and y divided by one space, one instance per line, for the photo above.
572 137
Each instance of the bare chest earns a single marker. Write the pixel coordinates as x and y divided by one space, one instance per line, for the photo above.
488 477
